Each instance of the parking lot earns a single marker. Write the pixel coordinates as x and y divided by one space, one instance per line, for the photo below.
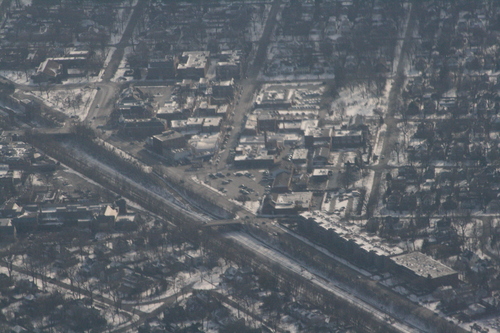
236 183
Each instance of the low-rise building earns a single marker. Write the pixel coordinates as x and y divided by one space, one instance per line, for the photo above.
106 218
268 121
161 68
317 137
49 71
179 154
424 272
273 98
211 124
142 127
7 228
321 174
255 156
193 65
282 182
229 65
204 109
347 138
172 111
26 222
292 203
299 156
204 146
10 210
222 111
250 127
223 90
167 140
194 125
321 157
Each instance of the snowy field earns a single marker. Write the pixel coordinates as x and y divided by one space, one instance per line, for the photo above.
74 103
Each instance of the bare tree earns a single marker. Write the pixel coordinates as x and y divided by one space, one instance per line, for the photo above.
45 87
461 224
347 177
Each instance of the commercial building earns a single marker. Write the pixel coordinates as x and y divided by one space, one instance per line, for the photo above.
142 127
167 140
204 146
315 137
273 98
255 156
321 157
422 271
292 203
211 124
347 138
282 182
172 111
299 156
222 91
161 68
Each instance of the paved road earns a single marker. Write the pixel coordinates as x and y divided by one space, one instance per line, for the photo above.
103 103
144 316
102 106
105 91
249 85
392 130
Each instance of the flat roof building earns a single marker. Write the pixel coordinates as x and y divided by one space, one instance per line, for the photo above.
299 156
229 65
423 271
347 240
292 203
273 98
167 140
211 124
254 156
347 138
193 65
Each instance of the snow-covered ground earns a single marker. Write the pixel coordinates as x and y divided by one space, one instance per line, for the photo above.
72 102
161 194
347 293
124 155
122 68
296 77
258 23
18 77
252 206
358 100
122 19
